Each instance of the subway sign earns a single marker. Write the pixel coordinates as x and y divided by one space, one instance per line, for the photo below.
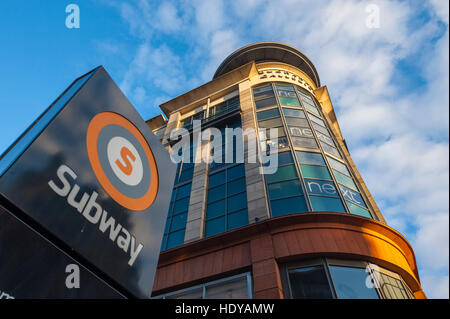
90 176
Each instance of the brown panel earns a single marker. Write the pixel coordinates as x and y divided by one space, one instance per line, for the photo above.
265 244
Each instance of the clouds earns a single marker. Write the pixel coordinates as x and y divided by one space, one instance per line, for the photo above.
389 86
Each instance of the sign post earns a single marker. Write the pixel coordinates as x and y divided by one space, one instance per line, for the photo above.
91 180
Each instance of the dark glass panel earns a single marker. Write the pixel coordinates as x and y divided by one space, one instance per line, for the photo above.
216 193
217 179
291 205
237 219
282 173
236 202
309 283
175 239
267 114
350 283
326 204
215 209
236 172
178 222
215 226
265 103
236 186
284 189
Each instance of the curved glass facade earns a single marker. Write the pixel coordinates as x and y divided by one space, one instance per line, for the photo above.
342 279
312 173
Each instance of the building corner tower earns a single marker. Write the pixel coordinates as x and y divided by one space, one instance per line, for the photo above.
309 230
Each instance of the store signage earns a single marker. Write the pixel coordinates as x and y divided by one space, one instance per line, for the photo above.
91 173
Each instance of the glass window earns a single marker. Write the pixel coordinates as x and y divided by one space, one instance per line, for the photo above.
267 114
356 210
325 139
328 204
178 222
216 209
310 158
215 226
217 179
301 131
322 188
236 202
293 112
284 189
312 171
263 92
230 197
289 94
289 101
304 142
320 129
237 219
294 121
345 180
330 149
235 172
265 103
236 289
284 87
352 196
310 107
183 191
216 193
191 294
181 205
309 282
392 287
350 283
317 120
275 122
282 173
291 205
267 134
338 166
304 95
175 239
236 186
285 158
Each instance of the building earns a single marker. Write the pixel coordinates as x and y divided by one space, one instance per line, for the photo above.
310 230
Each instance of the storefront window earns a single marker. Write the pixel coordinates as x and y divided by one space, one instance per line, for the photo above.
342 279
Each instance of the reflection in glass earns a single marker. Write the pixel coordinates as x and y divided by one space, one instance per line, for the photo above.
350 283
309 283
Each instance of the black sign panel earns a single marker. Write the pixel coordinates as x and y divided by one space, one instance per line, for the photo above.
32 267
91 173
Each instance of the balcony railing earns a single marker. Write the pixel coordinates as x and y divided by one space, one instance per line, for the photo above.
216 115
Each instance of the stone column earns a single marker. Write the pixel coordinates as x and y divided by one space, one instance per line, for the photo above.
172 123
266 273
197 202
256 195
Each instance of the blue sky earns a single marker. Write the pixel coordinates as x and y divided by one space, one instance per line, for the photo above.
389 85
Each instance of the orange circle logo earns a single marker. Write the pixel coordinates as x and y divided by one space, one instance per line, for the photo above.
122 161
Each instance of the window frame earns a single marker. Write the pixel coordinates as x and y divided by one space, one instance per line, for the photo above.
326 262
203 286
